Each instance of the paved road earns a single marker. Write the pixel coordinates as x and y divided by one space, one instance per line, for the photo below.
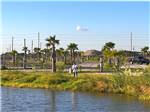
95 64
134 66
91 67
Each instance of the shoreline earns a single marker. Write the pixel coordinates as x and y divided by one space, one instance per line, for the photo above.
94 83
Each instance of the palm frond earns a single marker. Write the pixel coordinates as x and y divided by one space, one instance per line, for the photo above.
52 41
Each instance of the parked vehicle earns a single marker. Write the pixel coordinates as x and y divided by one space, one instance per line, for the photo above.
139 60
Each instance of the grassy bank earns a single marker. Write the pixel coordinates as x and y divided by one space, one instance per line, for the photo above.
122 83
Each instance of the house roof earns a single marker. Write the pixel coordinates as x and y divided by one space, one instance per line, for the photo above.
92 53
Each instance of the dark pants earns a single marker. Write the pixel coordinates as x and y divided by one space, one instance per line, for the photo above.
75 74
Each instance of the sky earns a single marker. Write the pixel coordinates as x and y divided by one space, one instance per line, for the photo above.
88 24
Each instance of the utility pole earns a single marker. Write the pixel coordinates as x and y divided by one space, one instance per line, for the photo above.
133 48
12 47
24 42
131 41
38 46
38 40
32 46
25 51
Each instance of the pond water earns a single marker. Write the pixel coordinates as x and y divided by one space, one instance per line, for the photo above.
44 100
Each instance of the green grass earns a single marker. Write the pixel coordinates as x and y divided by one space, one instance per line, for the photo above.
120 83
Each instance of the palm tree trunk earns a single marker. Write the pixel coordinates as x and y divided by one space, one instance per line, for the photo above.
71 56
65 58
38 56
24 60
53 59
14 60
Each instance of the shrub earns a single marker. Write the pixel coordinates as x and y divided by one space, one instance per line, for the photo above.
147 71
122 82
4 68
101 86
108 67
27 79
57 79
60 66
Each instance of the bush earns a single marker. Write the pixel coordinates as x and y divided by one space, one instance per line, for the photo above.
4 68
147 71
27 79
108 67
123 83
57 79
60 66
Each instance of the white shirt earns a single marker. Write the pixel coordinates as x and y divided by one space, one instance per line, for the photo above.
75 68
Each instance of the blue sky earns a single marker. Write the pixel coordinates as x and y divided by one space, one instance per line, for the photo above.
103 21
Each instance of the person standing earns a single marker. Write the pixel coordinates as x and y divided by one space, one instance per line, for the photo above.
75 69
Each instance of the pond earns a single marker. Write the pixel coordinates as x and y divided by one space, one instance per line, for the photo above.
44 100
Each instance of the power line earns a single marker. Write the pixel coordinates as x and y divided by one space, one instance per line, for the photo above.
65 39
68 34
83 37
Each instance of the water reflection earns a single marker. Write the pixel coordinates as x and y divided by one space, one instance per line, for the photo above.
40 100
53 101
74 101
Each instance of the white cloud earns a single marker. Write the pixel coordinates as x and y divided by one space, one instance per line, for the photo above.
79 28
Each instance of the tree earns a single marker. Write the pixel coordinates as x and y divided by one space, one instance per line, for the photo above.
80 55
60 52
63 53
51 42
145 50
109 46
65 56
25 49
109 52
72 47
37 51
48 52
43 52
14 53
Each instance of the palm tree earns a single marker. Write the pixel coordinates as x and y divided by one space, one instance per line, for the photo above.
80 54
51 41
60 53
43 53
37 51
108 51
63 53
66 53
72 47
145 50
109 46
47 53
14 53
25 49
